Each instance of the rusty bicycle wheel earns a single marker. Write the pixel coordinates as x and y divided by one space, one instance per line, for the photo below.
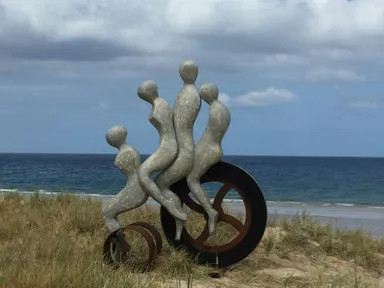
155 234
250 232
110 245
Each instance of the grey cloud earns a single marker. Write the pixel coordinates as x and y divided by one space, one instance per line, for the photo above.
364 105
240 43
324 74
19 40
281 39
72 50
268 97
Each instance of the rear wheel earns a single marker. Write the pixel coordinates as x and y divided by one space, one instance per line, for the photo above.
249 233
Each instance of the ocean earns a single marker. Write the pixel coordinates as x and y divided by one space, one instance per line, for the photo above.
314 181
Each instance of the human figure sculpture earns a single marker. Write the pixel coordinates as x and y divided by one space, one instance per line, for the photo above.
162 119
185 111
132 196
208 149
182 166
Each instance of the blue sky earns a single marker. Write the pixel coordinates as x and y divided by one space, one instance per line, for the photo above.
299 77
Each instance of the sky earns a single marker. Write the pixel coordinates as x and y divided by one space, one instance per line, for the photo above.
300 77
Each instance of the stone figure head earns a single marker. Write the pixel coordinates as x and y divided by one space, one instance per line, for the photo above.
209 92
148 91
188 71
117 136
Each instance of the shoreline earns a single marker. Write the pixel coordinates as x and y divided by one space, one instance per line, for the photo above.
344 217
285 203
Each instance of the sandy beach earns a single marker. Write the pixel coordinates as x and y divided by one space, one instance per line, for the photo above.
351 218
54 241
348 217
368 219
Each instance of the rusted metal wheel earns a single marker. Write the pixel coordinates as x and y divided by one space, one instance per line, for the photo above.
250 232
155 234
111 243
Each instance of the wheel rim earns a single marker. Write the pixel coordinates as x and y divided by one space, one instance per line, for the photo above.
110 245
250 233
154 232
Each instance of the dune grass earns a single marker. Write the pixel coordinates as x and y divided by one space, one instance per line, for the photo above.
57 242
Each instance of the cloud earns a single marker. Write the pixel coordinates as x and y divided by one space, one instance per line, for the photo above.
29 88
363 105
65 50
101 106
118 37
225 98
268 97
325 74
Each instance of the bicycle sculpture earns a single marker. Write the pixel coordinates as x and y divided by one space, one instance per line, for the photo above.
183 167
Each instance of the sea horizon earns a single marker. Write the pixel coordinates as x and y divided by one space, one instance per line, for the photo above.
229 155
323 181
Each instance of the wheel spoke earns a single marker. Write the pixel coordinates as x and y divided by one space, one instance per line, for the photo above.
220 196
234 222
203 236
193 205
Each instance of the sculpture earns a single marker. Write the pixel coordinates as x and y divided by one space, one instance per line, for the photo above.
183 168
162 118
208 150
132 195
185 111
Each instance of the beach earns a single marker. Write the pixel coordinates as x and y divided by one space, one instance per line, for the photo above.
347 217
57 241
351 218
369 219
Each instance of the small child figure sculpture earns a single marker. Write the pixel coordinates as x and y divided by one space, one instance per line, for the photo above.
132 195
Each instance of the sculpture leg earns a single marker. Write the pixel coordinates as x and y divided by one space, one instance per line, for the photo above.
203 199
176 203
177 171
125 201
167 199
172 203
159 161
179 228
202 164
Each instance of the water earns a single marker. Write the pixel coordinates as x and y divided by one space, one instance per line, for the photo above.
323 181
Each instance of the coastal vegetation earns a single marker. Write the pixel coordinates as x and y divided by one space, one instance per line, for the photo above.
57 242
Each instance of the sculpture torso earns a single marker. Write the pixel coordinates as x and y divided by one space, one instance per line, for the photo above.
185 111
218 123
128 160
162 119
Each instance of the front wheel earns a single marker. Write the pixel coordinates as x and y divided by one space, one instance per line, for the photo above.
249 233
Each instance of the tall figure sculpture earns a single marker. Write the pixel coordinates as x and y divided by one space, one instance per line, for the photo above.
132 195
162 118
185 111
208 150
182 166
